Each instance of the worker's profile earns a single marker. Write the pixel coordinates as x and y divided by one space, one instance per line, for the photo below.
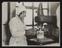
31 23
17 27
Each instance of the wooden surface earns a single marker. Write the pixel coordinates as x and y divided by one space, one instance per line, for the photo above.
43 41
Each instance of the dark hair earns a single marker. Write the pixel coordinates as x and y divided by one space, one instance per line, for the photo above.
21 13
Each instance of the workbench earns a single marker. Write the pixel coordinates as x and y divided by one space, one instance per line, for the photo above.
35 41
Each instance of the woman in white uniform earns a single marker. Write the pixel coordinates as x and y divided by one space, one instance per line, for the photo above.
17 28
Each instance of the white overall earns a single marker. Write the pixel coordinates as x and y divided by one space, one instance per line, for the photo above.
17 29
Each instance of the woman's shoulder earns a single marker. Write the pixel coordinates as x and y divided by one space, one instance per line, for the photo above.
13 20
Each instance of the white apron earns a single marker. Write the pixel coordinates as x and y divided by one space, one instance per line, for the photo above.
17 29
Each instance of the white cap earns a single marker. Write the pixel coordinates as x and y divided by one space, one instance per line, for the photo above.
19 9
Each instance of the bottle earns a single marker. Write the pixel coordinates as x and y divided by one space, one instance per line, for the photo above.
40 34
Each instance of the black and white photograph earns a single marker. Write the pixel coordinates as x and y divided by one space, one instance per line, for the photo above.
31 24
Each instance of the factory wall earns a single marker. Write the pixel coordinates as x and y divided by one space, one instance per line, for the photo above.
12 9
5 28
4 20
53 7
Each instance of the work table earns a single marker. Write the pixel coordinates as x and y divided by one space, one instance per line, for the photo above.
41 41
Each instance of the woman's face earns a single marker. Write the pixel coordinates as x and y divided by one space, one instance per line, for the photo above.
23 14
44 27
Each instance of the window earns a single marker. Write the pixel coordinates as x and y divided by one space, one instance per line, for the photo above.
45 12
36 4
44 4
45 8
35 14
28 18
28 4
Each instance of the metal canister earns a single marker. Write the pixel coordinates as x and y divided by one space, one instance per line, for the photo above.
40 34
